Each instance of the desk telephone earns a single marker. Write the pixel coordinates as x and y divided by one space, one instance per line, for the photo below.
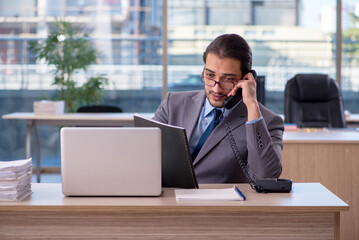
262 185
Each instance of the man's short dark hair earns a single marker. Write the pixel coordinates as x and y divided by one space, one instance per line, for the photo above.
231 46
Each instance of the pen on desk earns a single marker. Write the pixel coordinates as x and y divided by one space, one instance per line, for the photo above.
239 192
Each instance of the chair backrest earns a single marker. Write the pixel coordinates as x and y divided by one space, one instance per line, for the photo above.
99 109
261 89
313 100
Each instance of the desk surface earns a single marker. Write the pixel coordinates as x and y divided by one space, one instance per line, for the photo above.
321 136
128 116
75 116
304 197
309 212
352 118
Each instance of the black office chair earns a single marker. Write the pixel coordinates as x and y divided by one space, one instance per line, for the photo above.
99 109
313 100
261 89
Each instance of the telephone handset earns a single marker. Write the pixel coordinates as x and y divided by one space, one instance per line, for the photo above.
231 101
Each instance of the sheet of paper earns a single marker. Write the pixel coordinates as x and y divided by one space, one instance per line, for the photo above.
225 194
17 166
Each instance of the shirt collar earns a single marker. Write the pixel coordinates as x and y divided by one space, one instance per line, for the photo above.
208 108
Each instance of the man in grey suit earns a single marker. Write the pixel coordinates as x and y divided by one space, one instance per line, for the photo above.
257 132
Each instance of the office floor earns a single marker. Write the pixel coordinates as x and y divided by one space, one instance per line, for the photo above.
48 178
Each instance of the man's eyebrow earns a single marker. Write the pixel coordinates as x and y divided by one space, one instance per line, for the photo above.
224 74
207 69
229 74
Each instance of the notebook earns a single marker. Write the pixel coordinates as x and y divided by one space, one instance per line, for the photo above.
110 161
177 166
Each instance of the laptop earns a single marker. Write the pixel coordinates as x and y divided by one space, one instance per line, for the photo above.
110 161
177 164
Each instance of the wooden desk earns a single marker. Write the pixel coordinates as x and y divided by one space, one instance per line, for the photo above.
68 119
309 212
331 158
352 120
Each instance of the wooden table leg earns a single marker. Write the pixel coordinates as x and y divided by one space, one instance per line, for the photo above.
336 225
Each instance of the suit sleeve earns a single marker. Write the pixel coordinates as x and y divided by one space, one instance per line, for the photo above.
162 112
264 144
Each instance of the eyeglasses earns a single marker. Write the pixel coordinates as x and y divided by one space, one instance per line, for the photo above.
225 82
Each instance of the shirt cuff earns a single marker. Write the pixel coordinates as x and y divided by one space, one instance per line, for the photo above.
255 120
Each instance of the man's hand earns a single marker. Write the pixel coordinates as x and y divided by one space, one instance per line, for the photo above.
249 86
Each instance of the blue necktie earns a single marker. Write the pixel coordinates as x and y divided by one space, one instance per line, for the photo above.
207 132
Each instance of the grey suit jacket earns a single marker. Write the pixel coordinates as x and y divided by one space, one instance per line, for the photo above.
259 144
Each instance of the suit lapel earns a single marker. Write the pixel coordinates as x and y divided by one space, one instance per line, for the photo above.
192 107
236 118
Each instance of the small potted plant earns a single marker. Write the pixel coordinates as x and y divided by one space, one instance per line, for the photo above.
69 50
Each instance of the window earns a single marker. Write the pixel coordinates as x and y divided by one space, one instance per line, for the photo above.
350 55
286 37
127 35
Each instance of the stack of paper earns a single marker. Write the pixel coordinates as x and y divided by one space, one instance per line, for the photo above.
225 194
49 107
15 179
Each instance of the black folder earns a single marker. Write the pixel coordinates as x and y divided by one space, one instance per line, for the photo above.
177 166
